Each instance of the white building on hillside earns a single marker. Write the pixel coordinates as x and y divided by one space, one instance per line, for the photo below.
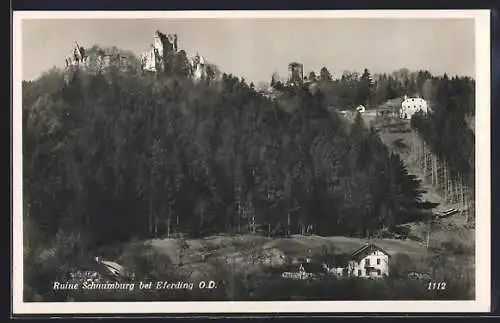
369 261
410 106
361 109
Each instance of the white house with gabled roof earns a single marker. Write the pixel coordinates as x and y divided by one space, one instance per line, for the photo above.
369 261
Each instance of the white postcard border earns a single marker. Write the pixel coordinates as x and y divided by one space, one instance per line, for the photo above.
483 177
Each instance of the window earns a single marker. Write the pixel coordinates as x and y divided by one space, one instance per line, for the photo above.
378 272
359 272
367 262
378 261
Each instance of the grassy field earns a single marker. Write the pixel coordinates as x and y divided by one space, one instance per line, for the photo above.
248 253
248 267
294 246
239 262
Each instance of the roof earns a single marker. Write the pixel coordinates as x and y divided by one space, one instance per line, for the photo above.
410 100
111 266
367 248
426 205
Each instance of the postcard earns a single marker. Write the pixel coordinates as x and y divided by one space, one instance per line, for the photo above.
251 162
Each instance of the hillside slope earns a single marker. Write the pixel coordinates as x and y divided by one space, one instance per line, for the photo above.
399 143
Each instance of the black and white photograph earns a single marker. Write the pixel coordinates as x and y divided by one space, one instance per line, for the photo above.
205 162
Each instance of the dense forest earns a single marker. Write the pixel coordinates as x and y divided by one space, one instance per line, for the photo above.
452 100
118 156
446 129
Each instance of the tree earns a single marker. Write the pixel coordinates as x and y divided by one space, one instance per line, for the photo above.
274 79
427 90
324 75
181 64
213 72
365 86
312 76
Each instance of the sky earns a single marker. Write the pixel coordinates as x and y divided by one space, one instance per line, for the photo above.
256 48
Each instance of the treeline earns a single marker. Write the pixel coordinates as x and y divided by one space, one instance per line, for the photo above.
112 157
353 88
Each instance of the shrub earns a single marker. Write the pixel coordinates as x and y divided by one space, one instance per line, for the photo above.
401 265
147 263
457 246
51 263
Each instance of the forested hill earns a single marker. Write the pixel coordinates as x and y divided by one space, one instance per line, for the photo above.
114 157
448 130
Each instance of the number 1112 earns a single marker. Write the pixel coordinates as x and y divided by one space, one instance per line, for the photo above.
436 286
